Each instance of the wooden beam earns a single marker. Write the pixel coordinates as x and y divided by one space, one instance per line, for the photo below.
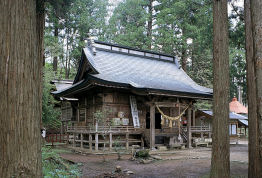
202 135
142 142
194 117
189 134
78 113
110 141
85 110
74 139
152 126
127 140
82 146
90 142
96 143
167 104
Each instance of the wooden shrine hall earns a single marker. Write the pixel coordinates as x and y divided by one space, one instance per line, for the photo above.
143 97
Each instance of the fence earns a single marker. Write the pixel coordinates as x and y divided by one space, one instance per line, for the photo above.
54 138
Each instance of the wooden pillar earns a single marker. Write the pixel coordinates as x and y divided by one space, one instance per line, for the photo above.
90 142
74 139
78 112
96 144
110 141
85 110
142 142
127 140
81 145
152 126
189 135
61 127
194 117
202 134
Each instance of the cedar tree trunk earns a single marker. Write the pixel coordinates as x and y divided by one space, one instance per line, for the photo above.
252 96
55 58
256 21
20 85
220 165
150 23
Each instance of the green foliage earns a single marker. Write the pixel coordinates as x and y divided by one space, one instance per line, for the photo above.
50 115
86 16
238 73
127 26
55 166
142 154
118 147
68 23
203 104
102 117
237 52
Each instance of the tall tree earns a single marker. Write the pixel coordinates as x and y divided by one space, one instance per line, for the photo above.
237 52
73 20
127 26
58 12
150 23
220 164
181 21
253 19
253 153
20 83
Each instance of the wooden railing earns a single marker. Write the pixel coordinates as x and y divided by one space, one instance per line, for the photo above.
198 129
52 138
90 136
102 129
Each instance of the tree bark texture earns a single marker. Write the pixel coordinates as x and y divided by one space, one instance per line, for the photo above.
252 96
183 59
256 20
150 23
20 85
220 165
55 58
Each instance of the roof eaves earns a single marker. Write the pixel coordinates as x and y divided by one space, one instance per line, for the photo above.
68 90
84 58
203 96
91 80
150 91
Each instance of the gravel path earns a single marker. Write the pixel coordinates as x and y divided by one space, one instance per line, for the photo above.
186 163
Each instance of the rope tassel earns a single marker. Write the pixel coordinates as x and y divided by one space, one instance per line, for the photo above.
169 117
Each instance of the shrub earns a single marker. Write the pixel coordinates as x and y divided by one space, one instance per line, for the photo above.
142 154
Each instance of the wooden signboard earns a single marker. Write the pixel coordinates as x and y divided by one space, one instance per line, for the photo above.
134 112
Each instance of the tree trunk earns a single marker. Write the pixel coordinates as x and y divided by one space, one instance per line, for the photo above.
67 56
20 85
55 58
252 102
256 21
150 23
68 69
220 165
183 59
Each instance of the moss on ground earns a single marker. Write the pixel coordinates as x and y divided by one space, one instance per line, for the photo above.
56 167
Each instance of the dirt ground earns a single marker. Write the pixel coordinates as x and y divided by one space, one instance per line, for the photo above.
186 163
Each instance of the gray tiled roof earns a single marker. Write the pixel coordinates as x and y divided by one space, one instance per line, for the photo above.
140 72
